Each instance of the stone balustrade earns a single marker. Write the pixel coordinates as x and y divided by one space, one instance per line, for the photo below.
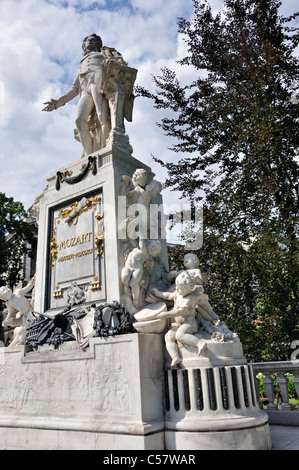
279 371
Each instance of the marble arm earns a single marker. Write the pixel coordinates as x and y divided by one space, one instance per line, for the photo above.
163 295
27 288
171 313
71 93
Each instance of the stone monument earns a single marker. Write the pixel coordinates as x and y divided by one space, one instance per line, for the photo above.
119 352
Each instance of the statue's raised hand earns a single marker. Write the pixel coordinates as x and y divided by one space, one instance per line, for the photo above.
51 105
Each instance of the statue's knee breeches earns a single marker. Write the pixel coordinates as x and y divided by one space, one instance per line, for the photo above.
104 118
81 123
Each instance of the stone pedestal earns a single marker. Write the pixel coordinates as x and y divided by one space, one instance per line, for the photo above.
211 404
109 396
116 392
115 395
78 240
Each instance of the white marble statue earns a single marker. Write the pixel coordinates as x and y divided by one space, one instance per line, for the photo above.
158 276
191 265
18 306
131 276
75 294
105 85
295 93
18 338
185 298
194 323
140 249
136 275
140 191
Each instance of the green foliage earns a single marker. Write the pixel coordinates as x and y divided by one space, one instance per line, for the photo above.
14 231
291 387
251 289
262 390
238 127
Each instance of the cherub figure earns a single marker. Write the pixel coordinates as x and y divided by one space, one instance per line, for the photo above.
131 275
75 294
16 302
17 305
185 326
139 191
157 272
139 261
191 264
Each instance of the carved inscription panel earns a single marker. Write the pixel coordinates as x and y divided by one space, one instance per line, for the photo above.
76 253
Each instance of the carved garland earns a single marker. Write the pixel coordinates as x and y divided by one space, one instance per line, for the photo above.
53 248
99 244
61 177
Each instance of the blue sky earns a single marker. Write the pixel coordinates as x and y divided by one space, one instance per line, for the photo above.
40 48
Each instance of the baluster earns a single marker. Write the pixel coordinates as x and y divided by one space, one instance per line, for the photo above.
258 395
257 387
296 383
283 386
268 382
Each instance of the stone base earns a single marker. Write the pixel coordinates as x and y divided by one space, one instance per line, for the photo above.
108 396
283 417
50 439
112 396
255 438
211 402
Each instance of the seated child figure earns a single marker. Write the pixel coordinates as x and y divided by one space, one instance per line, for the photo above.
131 275
191 264
185 300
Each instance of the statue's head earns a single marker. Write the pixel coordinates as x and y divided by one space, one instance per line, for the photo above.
91 42
185 283
191 260
154 247
5 293
140 178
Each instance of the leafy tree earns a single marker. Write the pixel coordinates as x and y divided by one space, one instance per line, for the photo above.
238 126
14 232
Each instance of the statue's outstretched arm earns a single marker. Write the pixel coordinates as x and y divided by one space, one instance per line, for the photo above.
27 288
68 96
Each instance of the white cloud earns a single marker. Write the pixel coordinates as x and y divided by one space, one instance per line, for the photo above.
40 48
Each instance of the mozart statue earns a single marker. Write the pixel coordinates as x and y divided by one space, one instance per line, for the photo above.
105 85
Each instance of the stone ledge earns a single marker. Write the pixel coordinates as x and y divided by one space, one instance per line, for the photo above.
284 418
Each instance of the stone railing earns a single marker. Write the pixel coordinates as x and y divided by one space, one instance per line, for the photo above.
285 414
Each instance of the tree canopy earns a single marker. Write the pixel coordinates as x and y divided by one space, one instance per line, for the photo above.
14 231
237 127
